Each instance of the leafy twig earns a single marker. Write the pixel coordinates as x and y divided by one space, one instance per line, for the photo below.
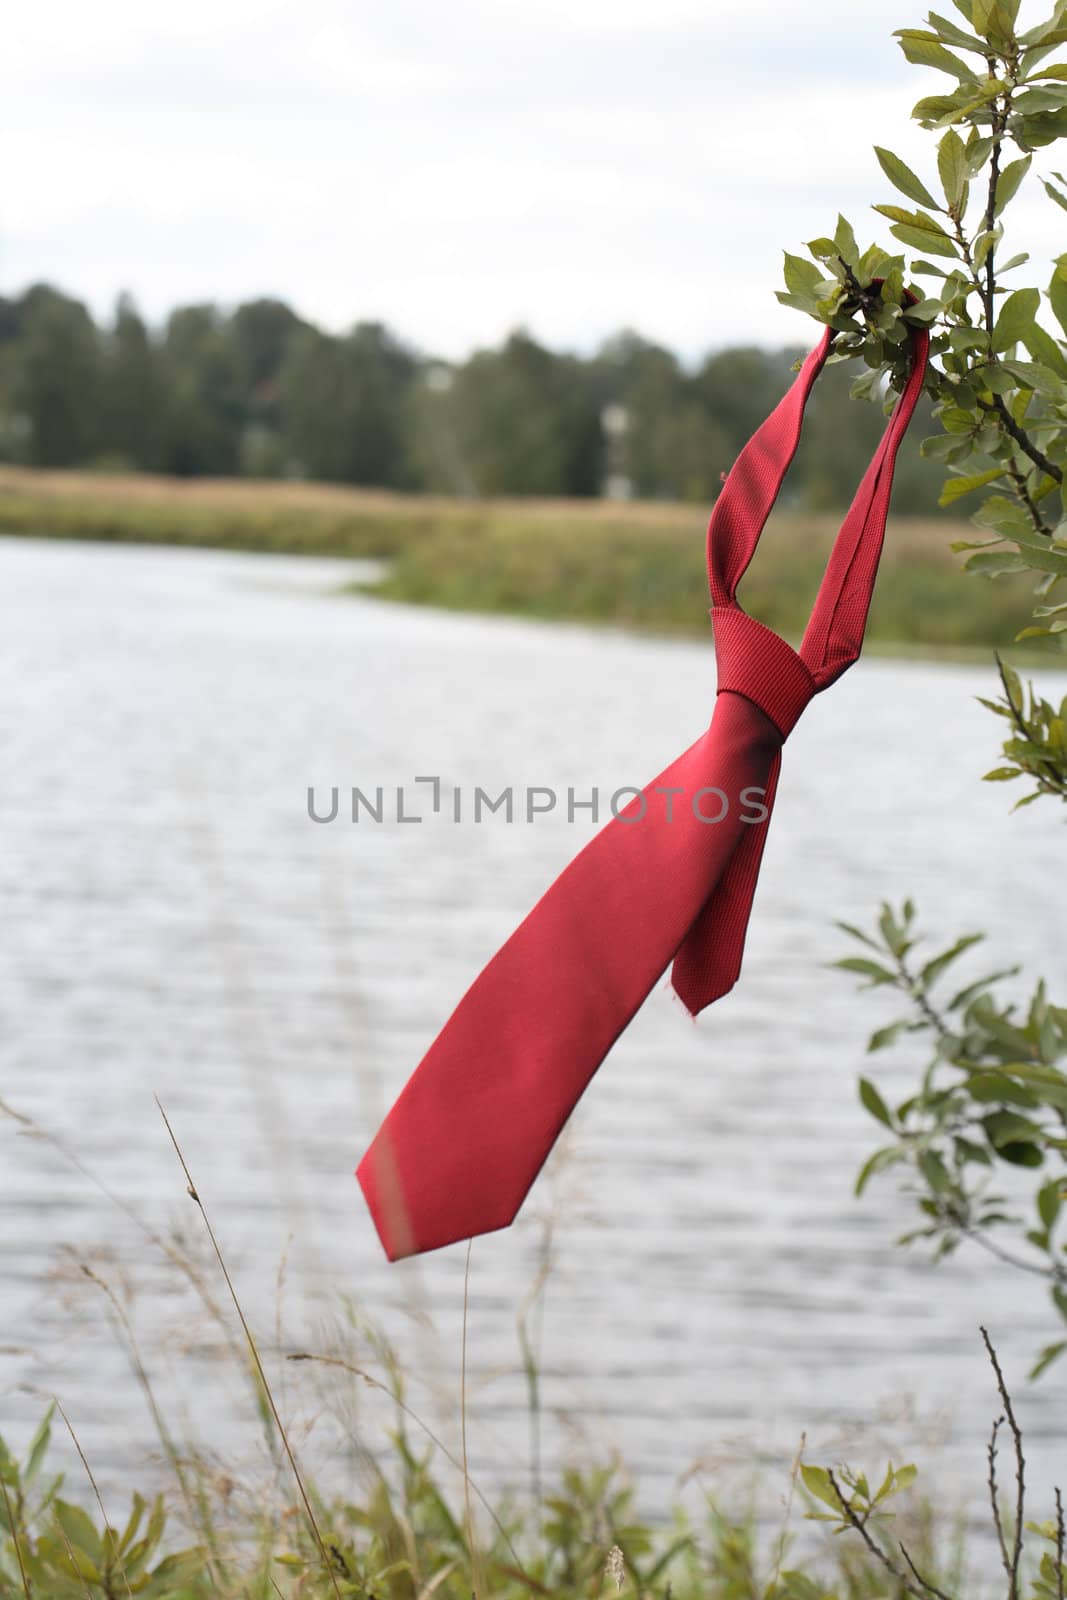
860 1525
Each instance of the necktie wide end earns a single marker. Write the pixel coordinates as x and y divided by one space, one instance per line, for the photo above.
410 1223
697 991
387 1212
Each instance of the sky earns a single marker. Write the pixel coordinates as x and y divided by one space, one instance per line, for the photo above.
458 170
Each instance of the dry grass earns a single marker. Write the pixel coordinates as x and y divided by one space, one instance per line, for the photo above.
638 565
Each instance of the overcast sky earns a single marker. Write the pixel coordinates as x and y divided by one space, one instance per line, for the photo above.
456 169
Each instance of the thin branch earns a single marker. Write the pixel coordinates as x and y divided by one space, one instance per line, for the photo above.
1020 1467
1059 1545
991 1453
254 1349
997 407
921 1001
1027 501
931 1588
1000 120
860 1525
1055 1272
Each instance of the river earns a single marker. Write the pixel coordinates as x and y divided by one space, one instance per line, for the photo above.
176 925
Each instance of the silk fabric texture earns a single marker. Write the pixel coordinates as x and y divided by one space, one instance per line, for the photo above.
660 884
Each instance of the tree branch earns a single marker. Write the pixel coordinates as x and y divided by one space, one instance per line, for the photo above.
1021 437
1012 1567
1026 500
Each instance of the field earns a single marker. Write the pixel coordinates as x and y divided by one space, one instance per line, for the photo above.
636 565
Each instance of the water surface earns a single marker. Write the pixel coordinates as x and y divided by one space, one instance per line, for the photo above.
174 925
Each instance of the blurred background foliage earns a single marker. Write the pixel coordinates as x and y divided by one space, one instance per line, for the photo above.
258 392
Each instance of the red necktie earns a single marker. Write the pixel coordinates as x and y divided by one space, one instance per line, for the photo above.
671 878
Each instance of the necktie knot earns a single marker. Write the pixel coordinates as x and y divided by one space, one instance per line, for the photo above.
755 662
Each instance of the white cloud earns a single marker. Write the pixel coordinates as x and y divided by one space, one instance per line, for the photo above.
576 165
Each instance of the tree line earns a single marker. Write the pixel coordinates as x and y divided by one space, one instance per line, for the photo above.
258 391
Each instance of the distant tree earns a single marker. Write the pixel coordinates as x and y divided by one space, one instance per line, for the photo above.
737 388
133 393
668 448
527 421
205 402
55 378
261 331
344 405
9 320
11 441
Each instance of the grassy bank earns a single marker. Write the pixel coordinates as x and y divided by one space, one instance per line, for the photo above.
637 565
407 1533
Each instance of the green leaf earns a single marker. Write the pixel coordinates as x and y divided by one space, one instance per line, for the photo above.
857 933
949 32
880 1161
873 1102
845 243
952 166
995 19
884 1036
972 990
934 1171
1050 97
78 1529
998 1087
824 249
901 177
802 277
1050 1198
1021 1153
1036 376
1005 1128
924 49
817 1482
956 488
1044 128
933 969
994 564
920 239
1057 292
1043 32
939 108
38 1448
867 387
1012 685
866 969
1002 775
1015 318
1055 194
1048 1355
1009 181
